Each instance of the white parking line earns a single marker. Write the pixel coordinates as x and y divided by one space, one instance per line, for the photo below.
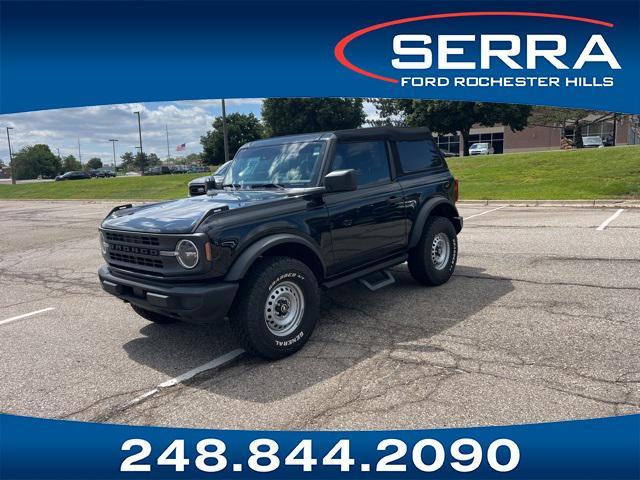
19 317
216 362
483 213
604 224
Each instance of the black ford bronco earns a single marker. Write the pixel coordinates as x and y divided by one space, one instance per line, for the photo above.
293 215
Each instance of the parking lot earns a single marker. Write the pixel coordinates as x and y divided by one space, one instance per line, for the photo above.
539 323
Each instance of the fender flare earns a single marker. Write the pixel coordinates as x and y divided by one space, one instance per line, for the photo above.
423 214
249 255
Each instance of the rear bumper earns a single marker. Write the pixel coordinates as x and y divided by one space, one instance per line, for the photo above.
191 302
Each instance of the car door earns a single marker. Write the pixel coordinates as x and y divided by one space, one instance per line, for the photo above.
367 224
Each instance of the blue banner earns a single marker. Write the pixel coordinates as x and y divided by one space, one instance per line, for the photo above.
563 53
32 448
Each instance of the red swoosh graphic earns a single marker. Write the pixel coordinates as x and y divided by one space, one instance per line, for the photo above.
342 44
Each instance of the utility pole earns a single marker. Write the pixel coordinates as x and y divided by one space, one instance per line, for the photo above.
166 127
79 153
141 152
13 173
113 142
225 133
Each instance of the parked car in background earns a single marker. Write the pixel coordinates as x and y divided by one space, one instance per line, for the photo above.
177 169
483 148
198 169
132 174
102 173
200 185
592 141
73 176
159 170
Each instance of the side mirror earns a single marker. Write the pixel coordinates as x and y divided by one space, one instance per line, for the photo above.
341 181
210 184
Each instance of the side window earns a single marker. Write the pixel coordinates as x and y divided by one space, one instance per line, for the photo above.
368 159
418 155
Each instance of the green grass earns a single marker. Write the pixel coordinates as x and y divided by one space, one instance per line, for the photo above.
587 174
156 187
559 175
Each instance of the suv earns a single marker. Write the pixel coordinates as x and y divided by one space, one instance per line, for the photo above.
296 214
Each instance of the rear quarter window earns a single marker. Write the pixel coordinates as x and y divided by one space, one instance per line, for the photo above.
418 155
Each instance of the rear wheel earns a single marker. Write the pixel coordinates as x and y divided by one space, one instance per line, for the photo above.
153 316
277 308
433 260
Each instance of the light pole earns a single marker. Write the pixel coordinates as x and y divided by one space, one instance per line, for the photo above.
225 133
141 152
113 142
79 153
13 173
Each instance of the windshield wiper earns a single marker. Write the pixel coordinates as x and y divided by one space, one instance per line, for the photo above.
268 185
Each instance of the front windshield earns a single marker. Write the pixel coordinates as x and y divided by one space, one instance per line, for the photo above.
479 145
591 140
290 165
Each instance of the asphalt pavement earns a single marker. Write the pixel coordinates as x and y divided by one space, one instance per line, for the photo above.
539 323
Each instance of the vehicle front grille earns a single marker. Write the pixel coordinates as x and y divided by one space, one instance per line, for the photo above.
136 252
135 239
135 260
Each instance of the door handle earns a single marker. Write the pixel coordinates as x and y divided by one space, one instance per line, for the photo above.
393 200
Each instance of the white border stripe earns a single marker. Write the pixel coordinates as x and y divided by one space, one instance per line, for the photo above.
19 317
604 224
216 362
488 211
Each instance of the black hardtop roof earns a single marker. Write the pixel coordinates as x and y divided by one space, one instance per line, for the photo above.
372 133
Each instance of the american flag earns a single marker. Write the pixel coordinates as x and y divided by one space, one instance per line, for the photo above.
181 147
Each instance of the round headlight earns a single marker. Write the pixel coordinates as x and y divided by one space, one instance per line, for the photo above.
187 253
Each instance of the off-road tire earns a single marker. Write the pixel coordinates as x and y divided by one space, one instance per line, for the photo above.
154 317
421 264
248 315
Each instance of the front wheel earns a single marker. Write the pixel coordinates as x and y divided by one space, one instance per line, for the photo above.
433 260
277 308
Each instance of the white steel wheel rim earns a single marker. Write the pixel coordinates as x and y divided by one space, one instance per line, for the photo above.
440 251
284 308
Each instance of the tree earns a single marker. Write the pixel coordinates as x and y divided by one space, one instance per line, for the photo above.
32 161
555 117
70 164
446 116
93 164
284 116
128 161
242 129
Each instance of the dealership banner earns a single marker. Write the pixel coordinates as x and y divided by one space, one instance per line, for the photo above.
561 53
32 448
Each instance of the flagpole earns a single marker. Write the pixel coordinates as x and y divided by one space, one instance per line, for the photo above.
167 130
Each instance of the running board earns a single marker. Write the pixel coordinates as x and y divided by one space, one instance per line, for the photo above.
388 279
366 271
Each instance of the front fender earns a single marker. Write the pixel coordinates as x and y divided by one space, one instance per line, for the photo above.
244 261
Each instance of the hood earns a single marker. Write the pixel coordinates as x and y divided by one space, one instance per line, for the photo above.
182 216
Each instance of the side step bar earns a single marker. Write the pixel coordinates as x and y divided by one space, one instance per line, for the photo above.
387 279
366 271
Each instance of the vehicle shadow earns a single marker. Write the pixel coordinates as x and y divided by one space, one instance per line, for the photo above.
355 326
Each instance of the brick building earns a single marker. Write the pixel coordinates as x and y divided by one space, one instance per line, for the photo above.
534 138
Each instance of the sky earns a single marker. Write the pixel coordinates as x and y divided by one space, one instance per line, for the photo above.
186 121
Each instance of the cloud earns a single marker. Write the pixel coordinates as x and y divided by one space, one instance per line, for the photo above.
93 126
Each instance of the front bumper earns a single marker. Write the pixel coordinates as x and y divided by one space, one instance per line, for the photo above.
191 302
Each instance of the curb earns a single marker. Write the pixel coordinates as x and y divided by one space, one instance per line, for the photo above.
554 203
